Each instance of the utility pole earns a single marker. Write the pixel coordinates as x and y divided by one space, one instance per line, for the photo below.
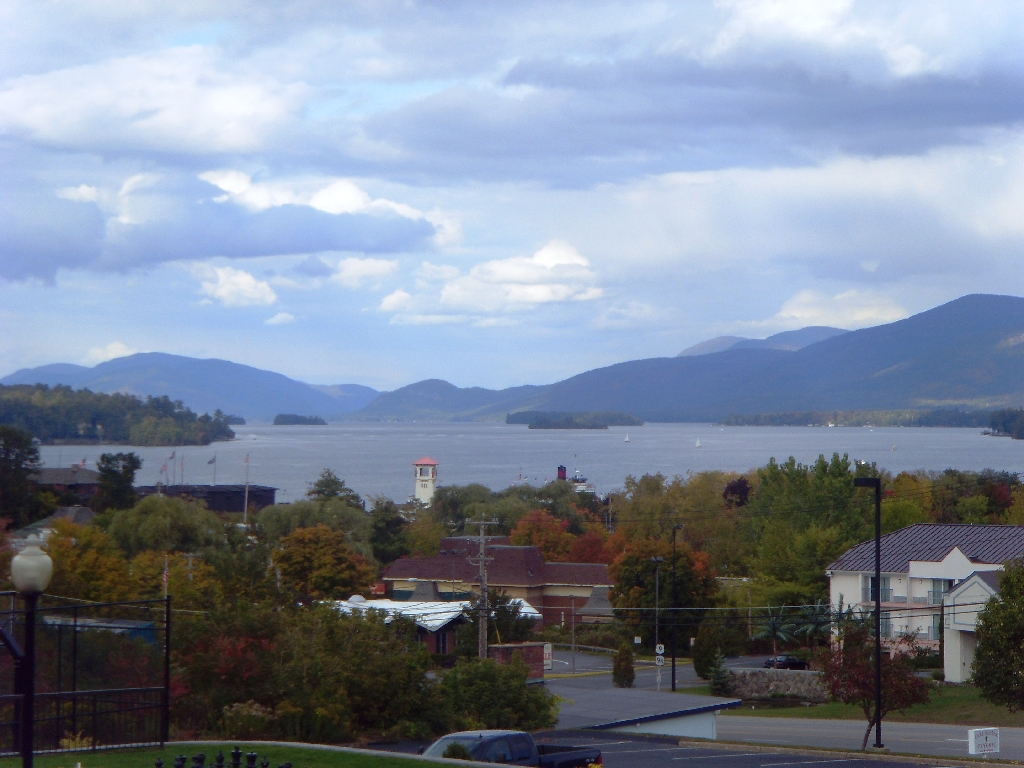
482 560
876 483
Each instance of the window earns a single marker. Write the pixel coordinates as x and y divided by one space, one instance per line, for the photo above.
499 752
520 748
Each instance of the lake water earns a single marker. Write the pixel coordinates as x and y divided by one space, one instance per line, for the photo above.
377 458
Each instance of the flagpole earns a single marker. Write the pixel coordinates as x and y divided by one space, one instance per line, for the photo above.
183 468
245 509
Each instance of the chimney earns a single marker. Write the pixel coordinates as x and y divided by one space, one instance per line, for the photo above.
561 472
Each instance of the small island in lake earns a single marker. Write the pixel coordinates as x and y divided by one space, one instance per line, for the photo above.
293 419
576 420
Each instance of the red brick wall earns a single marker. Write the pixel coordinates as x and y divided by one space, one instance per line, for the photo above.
531 653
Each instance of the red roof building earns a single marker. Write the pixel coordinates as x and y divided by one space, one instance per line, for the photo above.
557 590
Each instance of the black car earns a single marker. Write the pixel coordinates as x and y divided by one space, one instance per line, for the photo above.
515 748
785 661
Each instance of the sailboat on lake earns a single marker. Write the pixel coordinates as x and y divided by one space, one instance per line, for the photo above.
627 437
698 443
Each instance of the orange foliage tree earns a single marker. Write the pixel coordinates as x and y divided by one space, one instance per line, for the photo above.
542 529
317 563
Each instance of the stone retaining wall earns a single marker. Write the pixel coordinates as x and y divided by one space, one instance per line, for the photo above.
766 683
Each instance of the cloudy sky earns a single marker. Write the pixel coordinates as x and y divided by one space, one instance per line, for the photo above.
495 193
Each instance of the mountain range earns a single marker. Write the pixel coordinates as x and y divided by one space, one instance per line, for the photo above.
967 354
204 385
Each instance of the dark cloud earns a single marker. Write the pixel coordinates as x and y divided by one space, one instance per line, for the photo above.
313 266
577 123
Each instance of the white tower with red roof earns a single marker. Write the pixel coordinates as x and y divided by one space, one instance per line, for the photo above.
426 479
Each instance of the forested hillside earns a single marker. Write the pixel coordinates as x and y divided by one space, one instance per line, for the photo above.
63 415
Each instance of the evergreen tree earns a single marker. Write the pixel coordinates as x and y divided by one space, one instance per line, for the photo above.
19 458
117 481
718 676
623 673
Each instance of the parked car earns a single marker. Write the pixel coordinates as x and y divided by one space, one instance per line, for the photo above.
785 661
515 748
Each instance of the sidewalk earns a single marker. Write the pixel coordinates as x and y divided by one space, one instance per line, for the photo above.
913 738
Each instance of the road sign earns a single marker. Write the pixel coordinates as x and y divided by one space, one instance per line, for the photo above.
637 639
659 649
548 656
659 660
982 741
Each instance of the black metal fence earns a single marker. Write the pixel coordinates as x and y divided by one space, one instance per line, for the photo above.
102 675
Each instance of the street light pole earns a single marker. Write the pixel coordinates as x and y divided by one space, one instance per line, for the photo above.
657 592
876 483
31 570
675 602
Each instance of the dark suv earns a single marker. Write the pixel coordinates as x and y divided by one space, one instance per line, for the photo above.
785 661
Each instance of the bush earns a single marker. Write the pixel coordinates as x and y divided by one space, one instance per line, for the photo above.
484 694
457 751
623 673
938 675
248 720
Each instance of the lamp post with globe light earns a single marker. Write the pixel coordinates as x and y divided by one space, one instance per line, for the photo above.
31 570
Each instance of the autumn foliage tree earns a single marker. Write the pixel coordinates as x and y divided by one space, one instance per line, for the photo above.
317 563
542 529
849 674
999 658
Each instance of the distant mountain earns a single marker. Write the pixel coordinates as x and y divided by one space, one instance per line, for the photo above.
968 353
717 344
787 340
203 385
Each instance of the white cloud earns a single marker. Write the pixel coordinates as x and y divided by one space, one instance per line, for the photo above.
183 99
237 288
334 196
428 319
396 301
112 350
555 273
628 315
432 272
83 193
353 272
281 318
850 309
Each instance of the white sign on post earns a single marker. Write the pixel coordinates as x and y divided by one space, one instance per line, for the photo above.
659 648
548 663
659 661
982 741
636 639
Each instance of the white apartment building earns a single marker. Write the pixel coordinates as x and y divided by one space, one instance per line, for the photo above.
962 605
921 564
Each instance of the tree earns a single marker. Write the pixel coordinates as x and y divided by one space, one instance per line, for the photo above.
849 675
505 625
716 635
388 536
623 673
485 694
718 676
815 622
330 486
317 563
775 626
165 524
117 481
279 520
999 657
541 529
19 458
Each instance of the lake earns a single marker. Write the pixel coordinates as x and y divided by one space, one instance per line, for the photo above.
377 458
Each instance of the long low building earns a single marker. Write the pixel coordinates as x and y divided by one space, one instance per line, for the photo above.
218 498
560 591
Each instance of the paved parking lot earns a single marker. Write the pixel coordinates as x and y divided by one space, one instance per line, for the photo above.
643 753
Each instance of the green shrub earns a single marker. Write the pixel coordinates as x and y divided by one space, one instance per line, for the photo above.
484 694
721 682
623 673
457 751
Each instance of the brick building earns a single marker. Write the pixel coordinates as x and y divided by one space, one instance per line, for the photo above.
557 590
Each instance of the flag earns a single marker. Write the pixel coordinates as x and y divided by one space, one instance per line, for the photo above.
167 576
173 454
213 460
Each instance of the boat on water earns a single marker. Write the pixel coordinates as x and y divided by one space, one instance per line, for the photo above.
698 443
627 437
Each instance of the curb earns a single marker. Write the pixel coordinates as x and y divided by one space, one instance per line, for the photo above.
332 748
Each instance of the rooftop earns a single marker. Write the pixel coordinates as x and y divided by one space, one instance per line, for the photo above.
931 542
425 461
65 476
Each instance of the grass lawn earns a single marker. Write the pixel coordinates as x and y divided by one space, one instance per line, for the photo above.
950 704
144 758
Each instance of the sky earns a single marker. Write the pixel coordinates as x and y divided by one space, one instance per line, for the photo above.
495 193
